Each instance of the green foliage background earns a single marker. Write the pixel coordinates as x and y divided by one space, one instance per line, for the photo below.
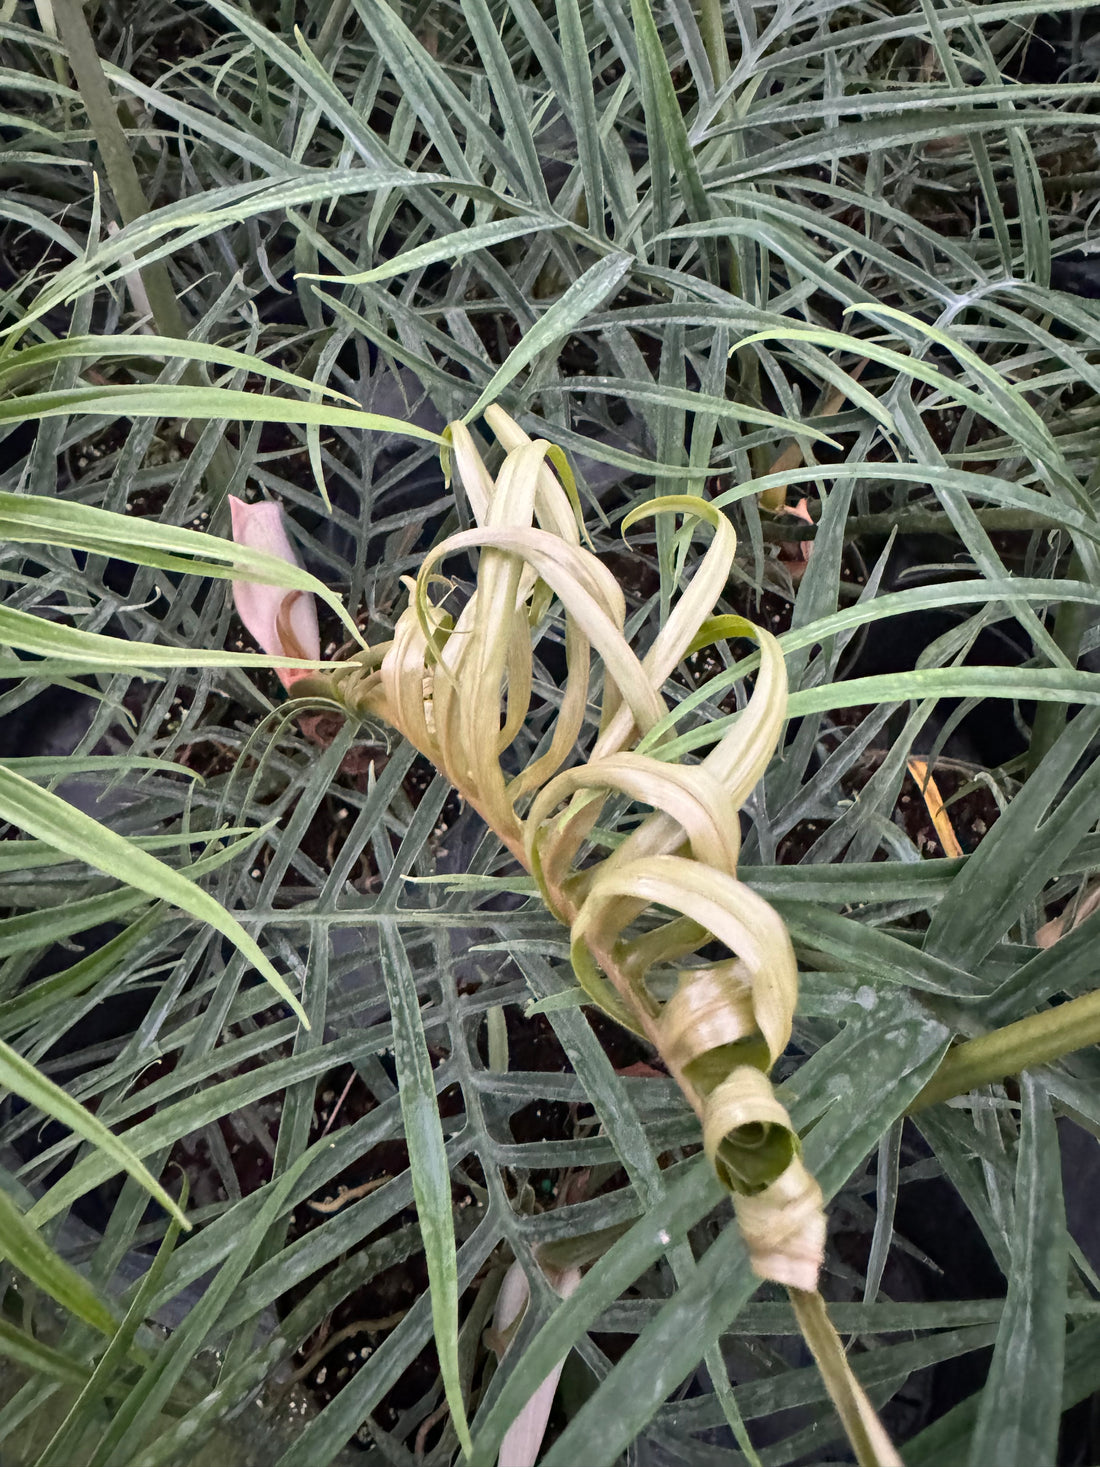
580 211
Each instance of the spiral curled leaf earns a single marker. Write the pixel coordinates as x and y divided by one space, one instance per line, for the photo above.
719 1033
708 1025
746 1132
459 685
457 681
784 1228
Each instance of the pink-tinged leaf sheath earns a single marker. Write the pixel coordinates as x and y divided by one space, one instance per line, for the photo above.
523 1439
283 622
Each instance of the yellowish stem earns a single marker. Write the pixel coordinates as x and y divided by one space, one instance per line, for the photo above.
1036 1040
873 1448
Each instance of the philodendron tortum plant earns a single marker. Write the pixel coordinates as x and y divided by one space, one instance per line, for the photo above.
460 689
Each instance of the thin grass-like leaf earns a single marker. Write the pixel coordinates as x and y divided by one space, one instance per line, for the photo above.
1017 1426
26 1250
22 1079
49 818
430 1173
86 1409
583 297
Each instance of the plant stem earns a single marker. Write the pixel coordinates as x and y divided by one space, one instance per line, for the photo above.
916 522
1069 628
714 40
130 197
116 154
873 1448
713 29
1036 1040
329 34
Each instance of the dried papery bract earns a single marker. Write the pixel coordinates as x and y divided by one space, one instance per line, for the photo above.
458 686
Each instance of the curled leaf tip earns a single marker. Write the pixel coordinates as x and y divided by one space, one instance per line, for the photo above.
784 1229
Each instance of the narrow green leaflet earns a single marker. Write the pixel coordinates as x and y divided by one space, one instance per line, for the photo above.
28 519
665 395
63 1447
34 519
41 998
62 920
513 106
53 820
92 650
580 87
240 144
664 117
161 401
892 603
1043 684
28 854
585 295
876 956
21 1078
1021 1405
455 246
16 1344
41 359
1015 401
48 767
428 1162
26 1250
